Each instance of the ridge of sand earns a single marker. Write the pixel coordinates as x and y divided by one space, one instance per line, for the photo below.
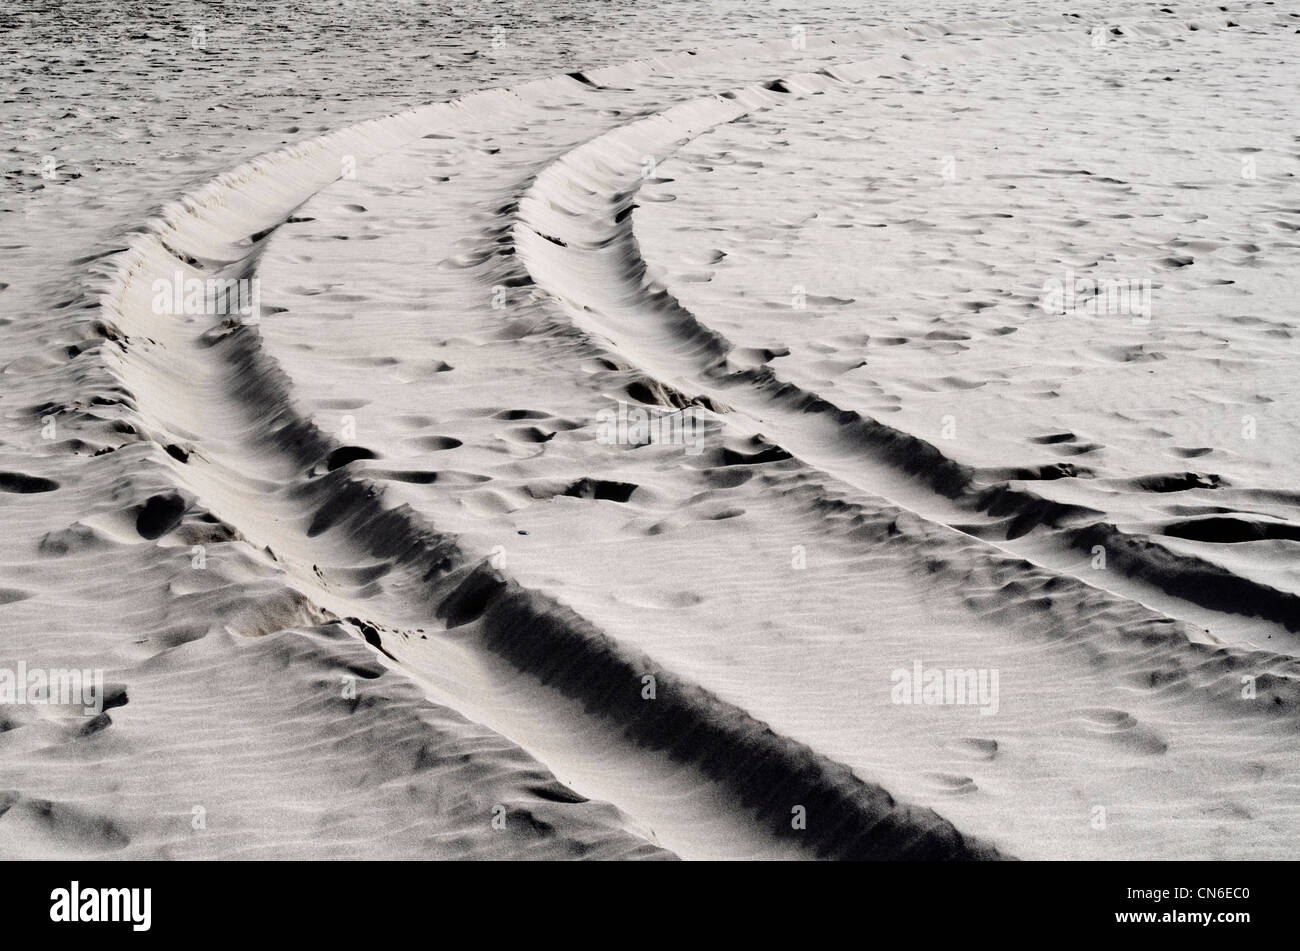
656 565
319 544
257 440
675 344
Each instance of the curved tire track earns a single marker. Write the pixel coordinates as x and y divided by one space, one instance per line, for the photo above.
268 472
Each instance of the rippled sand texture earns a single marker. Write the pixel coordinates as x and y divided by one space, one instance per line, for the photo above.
368 580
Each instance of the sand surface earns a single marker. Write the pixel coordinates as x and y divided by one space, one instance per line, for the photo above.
372 575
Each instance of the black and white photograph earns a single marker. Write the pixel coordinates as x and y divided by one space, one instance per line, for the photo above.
702 430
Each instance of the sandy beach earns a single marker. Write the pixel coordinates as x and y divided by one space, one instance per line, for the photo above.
614 431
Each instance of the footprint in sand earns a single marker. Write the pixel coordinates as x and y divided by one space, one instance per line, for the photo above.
951 784
435 443
974 747
23 484
1121 728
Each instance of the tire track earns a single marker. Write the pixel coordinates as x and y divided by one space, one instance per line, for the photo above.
266 469
575 235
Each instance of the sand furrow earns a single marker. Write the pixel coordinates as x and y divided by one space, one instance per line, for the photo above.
689 561
576 235
268 471
380 569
